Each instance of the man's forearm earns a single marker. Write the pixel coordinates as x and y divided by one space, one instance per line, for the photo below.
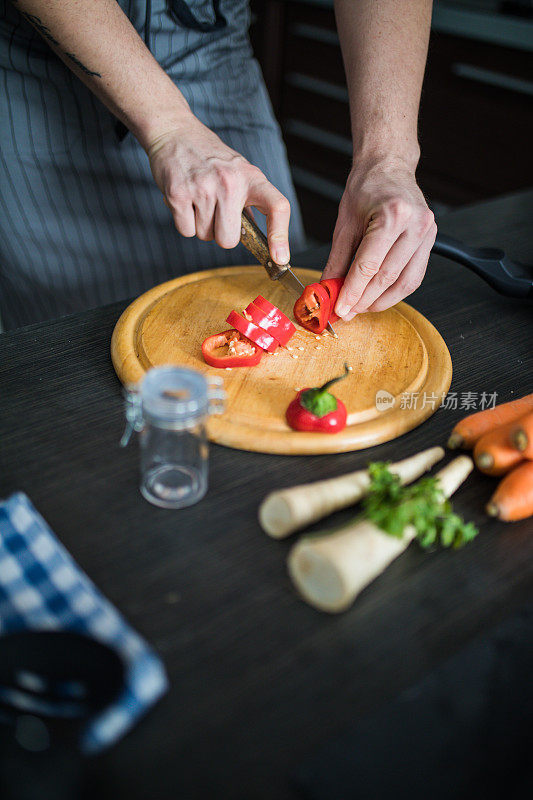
99 44
384 46
204 182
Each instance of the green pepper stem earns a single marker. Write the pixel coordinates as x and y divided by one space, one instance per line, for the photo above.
320 401
329 383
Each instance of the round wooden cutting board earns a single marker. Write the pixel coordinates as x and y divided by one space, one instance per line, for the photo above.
393 353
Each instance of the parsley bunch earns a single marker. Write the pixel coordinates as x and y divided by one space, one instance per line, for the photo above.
392 507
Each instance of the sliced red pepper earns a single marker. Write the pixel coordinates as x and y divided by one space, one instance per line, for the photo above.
311 310
269 308
317 409
333 287
252 331
271 319
240 352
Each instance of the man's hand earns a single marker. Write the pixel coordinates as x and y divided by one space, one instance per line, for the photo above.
382 239
206 185
384 230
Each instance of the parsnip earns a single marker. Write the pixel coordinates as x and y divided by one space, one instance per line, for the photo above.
287 510
330 571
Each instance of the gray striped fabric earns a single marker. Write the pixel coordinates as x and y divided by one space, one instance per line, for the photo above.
82 222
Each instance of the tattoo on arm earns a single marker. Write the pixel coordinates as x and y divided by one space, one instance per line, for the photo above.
46 32
81 66
41 27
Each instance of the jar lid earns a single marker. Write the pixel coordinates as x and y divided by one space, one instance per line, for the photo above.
174 394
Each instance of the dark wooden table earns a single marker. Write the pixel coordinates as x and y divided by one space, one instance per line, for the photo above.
259 679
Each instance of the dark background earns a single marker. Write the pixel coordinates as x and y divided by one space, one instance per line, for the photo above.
260 682
476 117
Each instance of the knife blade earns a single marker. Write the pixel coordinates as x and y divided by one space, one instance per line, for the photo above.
291 281
255 241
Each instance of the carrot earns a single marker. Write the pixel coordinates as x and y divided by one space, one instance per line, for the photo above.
513 499
493 453
522 435
470 429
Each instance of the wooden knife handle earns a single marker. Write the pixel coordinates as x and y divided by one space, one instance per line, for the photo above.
255 241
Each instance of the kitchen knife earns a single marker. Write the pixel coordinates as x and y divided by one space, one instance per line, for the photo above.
255 241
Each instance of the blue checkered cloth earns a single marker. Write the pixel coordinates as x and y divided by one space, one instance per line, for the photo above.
42 588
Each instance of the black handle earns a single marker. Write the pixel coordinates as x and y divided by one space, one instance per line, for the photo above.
490 263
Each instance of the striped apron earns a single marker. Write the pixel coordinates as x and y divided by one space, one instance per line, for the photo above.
82 222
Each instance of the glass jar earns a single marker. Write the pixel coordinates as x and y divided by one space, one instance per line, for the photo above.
169 408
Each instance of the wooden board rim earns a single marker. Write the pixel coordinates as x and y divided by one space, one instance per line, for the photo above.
388 425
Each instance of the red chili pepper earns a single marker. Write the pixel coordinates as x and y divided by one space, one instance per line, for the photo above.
269 308
241 352
317 409
271 319
311 310
333 287
252 331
